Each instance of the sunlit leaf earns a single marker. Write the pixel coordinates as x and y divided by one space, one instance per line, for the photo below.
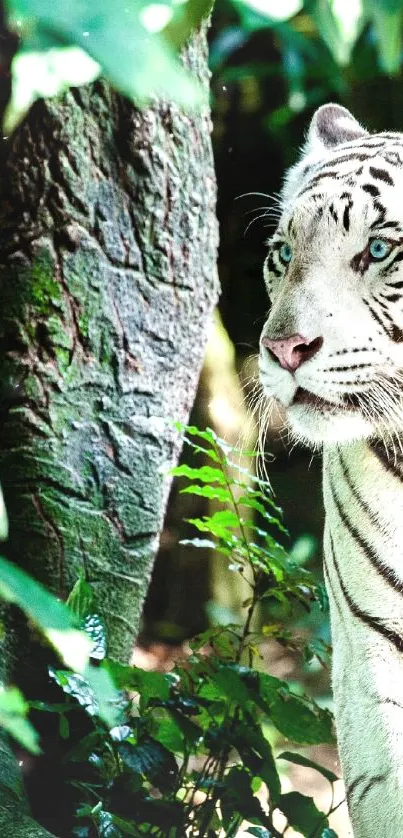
126 40
339 24
54 619
50 73
13 712
94 690
206 474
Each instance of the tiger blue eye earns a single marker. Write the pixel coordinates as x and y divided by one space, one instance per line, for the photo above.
380 249
285 253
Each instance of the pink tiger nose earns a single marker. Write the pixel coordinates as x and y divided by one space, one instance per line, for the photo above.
292 351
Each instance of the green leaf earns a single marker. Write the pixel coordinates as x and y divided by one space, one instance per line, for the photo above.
338 27
151 759
298 759
218 524
169 734
122 37
125 826
231 684
298 719
302 813
213 493
54 619
94 690
13 711
259 832
187 17
238 796
81 751
46 74
207 474
264 766
150 685
64 727
80 598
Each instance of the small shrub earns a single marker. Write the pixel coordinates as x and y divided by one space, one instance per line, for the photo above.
189 751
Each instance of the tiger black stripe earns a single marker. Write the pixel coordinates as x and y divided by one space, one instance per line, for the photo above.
369 784
346 217
373 623
387 573
389 459
376 316
371 189
381 174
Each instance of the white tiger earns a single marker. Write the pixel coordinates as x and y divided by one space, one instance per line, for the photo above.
331 353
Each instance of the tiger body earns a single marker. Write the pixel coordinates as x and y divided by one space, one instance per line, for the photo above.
332 355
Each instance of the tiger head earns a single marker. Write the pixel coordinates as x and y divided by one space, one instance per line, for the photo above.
331 350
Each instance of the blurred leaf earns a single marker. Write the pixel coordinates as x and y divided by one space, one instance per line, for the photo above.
257 14
387 20
123 38
64 727
339 24
298 759
259 832
13 711
186 18
302 813
49 73
54 619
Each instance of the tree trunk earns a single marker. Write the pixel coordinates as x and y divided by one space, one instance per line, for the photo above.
107 284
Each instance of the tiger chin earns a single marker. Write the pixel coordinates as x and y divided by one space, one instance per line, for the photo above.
331 350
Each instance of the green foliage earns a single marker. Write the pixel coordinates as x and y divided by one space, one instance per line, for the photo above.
132 43
13 713
323 52
185 752
77 641
135 45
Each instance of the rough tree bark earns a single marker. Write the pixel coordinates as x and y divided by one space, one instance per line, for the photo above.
107 283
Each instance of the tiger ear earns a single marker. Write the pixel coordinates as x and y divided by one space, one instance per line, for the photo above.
330 126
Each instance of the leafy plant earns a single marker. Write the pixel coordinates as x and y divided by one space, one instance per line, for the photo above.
190 752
